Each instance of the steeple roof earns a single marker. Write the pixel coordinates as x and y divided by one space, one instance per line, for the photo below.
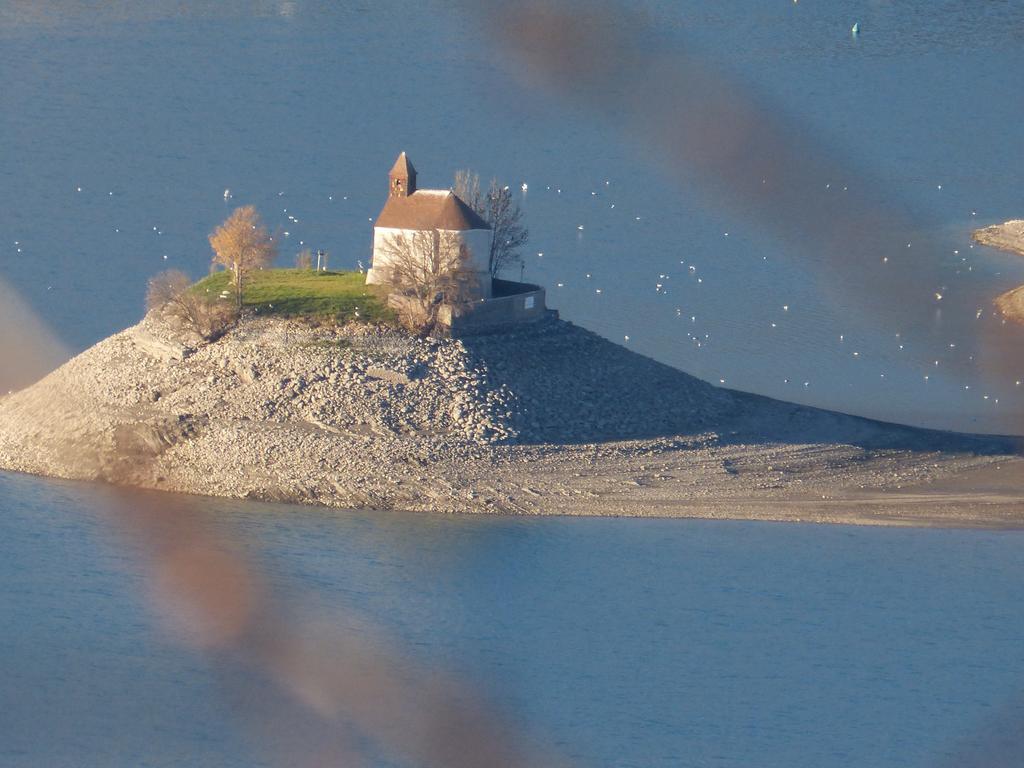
402 167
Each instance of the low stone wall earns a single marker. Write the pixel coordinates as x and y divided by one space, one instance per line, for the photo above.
512 304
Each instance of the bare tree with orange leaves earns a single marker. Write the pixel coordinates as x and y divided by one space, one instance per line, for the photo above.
242 243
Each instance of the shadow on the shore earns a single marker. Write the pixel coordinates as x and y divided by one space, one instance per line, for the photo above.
764 420
575 387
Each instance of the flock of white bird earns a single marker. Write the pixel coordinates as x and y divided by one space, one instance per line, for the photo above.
697 340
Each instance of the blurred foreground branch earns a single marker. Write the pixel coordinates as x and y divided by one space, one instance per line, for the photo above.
28 349
744 153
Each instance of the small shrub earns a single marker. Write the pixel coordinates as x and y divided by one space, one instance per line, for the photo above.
171 293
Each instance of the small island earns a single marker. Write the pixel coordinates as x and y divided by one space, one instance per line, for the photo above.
1009 237
431 385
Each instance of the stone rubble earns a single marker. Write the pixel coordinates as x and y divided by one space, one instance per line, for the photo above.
549 418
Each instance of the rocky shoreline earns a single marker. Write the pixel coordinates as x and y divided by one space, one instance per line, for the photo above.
548 419
1008 237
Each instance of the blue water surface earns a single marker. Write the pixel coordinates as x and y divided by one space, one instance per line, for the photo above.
122 127
618 642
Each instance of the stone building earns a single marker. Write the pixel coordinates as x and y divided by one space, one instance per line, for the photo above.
411 214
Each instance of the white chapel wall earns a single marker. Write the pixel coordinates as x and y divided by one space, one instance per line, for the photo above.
477 241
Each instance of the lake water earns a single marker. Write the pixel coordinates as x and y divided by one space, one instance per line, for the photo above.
620 642
617 642
301 107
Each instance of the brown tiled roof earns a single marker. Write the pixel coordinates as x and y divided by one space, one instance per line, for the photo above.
429 209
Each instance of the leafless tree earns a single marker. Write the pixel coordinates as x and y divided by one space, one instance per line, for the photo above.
304 259
242 244
426 271
499 208
467 187
172 293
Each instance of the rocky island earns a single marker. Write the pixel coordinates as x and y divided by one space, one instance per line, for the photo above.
331 388
547 418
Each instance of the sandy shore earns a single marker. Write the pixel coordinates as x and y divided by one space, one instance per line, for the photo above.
548 420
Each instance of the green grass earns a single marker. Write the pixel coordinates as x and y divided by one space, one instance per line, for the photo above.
304 293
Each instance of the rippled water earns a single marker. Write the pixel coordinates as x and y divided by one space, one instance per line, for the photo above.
621 642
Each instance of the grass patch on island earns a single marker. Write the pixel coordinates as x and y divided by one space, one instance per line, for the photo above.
341 296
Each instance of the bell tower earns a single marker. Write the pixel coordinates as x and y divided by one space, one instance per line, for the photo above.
402 179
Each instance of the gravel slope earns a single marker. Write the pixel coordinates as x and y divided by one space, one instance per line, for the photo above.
551 419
